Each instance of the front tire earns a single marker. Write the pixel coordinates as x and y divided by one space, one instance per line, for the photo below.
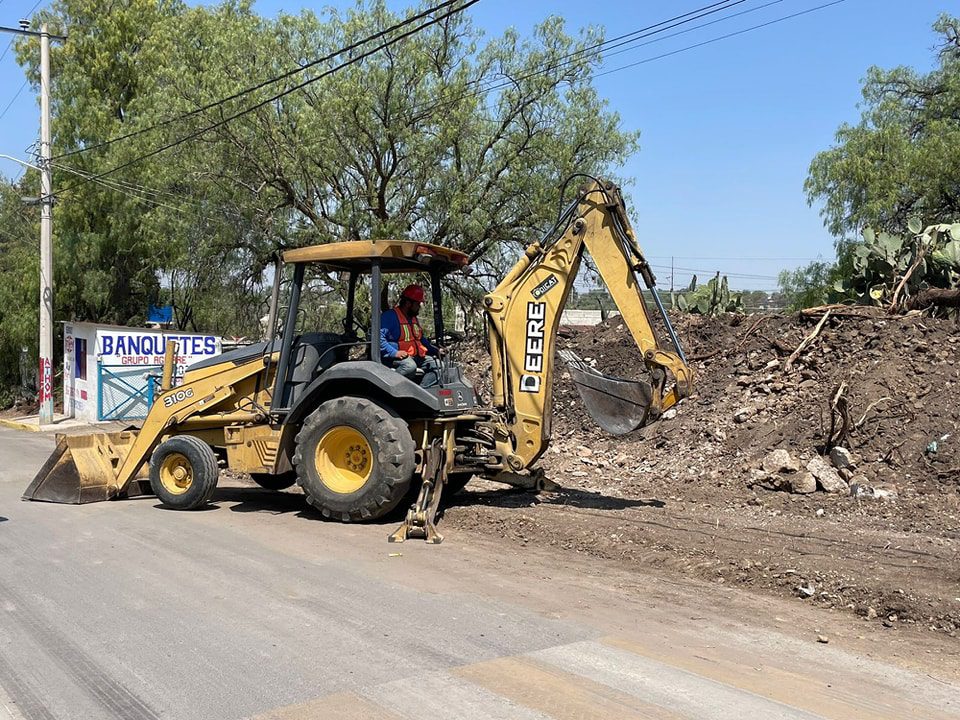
184 472
354 459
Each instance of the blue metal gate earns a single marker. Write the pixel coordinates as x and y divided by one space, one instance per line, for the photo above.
125 392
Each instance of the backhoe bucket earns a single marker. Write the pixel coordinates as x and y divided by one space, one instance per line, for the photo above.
618 406
83 469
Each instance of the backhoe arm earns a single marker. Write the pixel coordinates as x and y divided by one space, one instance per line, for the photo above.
524 313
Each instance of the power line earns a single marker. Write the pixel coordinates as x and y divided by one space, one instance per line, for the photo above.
663 25
721 37
265 83
276 97
488 89
10 44
14 99
594 50
694 28
142 193
723 257
700 271
491 87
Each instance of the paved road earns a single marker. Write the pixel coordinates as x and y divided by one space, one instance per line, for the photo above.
256 609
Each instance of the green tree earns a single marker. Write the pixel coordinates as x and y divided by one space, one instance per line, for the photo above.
445 137
807 286
902 159
19 281
441 138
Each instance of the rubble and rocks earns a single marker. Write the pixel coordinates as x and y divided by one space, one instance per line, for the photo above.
745 454
780 461
827 477
803 483
841 458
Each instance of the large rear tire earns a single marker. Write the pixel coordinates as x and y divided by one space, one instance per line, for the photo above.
184 472
274 482
354 459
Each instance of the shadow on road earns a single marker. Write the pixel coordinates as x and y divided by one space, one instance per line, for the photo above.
257 500
514 498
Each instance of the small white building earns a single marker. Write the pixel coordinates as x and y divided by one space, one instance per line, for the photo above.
112 372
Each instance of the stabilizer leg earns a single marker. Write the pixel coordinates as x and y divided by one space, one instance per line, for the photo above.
421 517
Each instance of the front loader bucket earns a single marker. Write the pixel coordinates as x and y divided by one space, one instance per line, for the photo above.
618 406
83 469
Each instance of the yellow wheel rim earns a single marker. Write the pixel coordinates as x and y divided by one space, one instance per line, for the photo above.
176 474
344 459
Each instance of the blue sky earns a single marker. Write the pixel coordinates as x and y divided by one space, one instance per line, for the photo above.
727 129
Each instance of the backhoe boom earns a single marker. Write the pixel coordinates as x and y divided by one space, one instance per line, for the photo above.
524 313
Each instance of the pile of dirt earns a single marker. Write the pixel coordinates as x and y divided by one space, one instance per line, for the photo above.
739 485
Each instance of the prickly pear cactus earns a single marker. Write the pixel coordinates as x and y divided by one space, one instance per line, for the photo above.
890 268
710 299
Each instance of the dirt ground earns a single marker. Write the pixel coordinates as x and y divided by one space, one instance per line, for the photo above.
700 492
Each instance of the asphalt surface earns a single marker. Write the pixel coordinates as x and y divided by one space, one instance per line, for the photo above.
255 608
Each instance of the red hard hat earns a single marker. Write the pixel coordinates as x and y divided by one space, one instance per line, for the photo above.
413 292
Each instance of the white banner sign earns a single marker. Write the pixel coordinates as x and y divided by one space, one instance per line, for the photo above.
134 348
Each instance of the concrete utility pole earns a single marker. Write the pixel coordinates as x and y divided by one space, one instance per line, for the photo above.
46 237
45 377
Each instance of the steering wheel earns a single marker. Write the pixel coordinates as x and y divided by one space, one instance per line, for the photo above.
357 329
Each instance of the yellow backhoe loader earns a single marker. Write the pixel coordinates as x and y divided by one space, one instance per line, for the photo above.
321 410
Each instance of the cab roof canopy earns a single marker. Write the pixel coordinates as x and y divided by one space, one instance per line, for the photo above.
394 256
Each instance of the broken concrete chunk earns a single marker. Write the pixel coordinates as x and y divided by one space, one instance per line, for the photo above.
861 488
841 457
757 477
743 414
803 483
827 477
780 460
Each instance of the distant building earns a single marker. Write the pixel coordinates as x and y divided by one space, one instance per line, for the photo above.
111 372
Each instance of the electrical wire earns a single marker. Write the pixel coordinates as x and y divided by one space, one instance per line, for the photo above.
595 50
261 85
718 39
743 276
10 44
501 85
14 99
698 13
781 19
142 193
723 257
607 55
643 32
600 49
274 98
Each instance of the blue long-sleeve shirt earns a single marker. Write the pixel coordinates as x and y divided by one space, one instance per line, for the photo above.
390 336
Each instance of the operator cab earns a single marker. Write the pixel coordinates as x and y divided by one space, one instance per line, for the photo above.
311 355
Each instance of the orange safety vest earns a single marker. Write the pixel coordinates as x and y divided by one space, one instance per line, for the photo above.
410 334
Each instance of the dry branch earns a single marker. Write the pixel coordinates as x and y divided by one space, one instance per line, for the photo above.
866 412
934 297
839 416
806 341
